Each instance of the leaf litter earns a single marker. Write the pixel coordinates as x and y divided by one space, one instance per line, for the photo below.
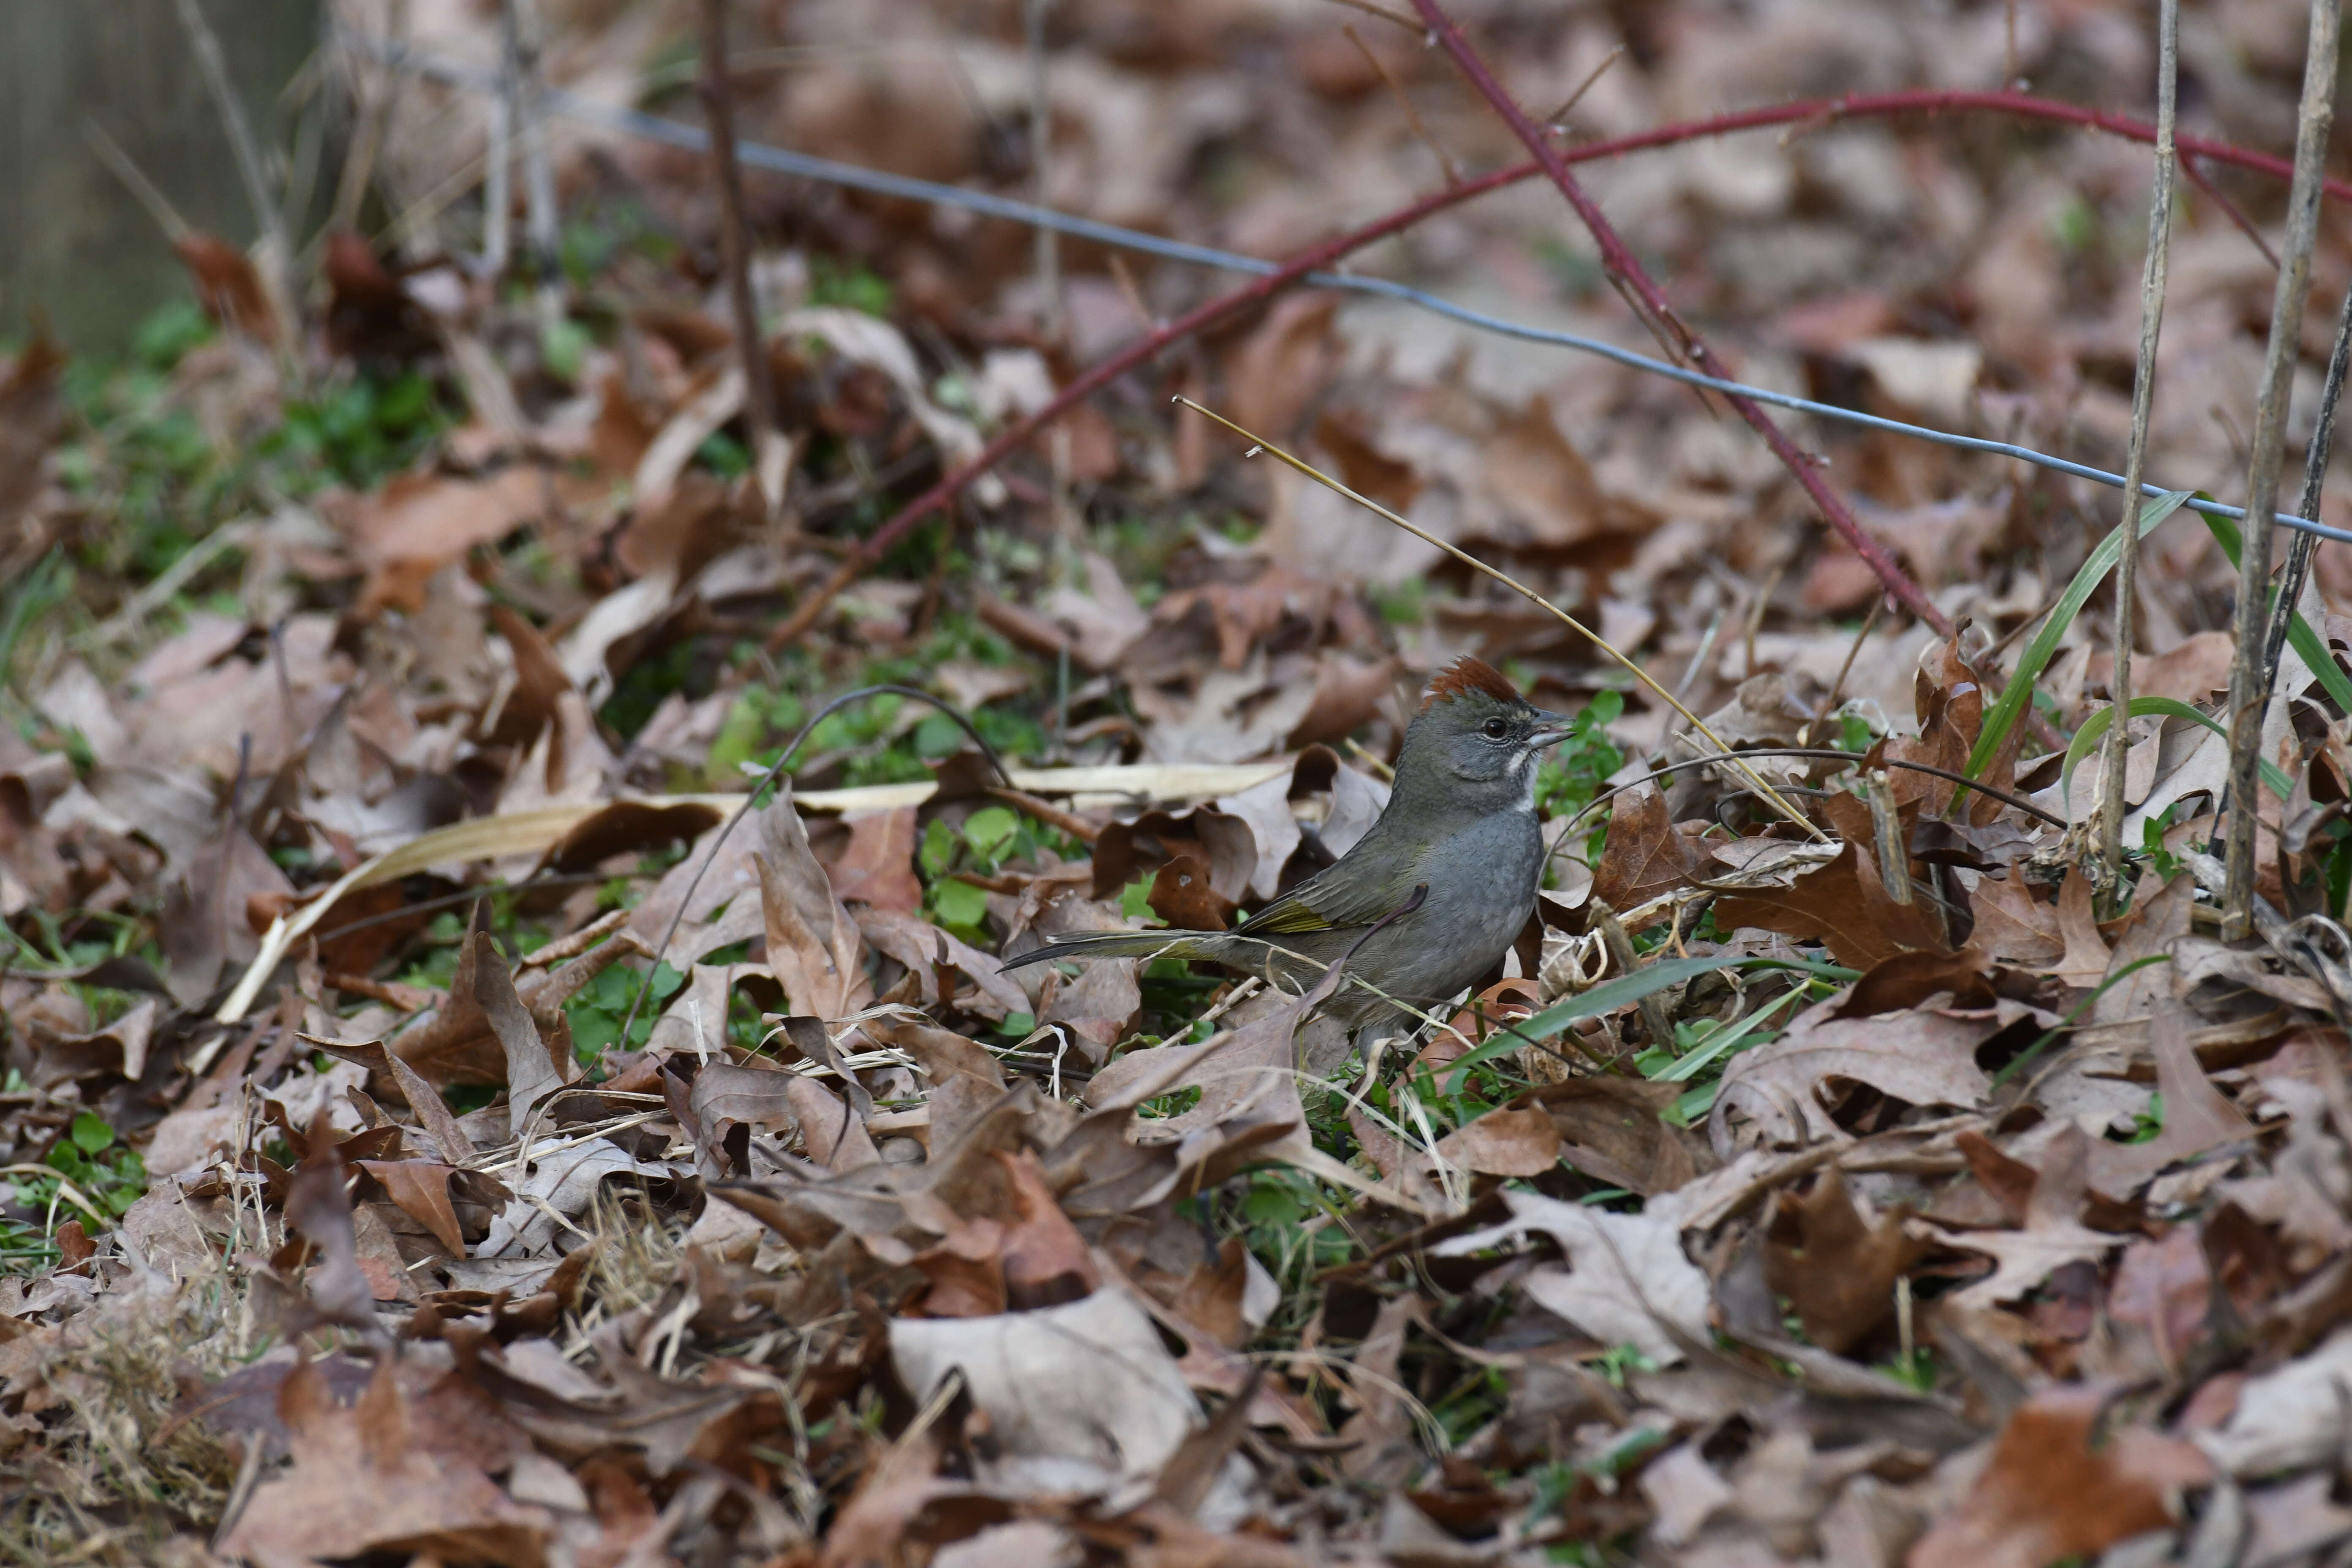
435 1133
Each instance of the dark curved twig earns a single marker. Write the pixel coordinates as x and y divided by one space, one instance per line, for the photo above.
767 780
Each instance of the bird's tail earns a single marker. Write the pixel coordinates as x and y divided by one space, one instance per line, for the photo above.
1126 944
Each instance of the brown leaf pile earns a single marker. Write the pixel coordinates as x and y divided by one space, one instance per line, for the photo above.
449 1122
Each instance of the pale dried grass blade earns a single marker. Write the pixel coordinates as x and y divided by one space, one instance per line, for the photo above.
1508 581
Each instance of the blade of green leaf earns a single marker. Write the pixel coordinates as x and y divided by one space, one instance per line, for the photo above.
2307 644
2098 723
2018 695
1686 1067
1624 991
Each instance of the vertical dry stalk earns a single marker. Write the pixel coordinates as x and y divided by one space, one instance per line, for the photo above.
2151 323
377 110
1446 163
2304 546
538 162
1650 302
497 171
214 65
2313 120
735 244
1041 142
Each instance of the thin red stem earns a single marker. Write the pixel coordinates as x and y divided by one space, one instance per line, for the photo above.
1634 278
1858 106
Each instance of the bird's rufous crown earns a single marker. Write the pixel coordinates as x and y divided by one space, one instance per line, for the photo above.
1469 674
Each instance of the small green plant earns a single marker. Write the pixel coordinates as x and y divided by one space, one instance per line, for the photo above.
362 430
596 1012
1619 1361
167 335
2166 864
1915 1367
988 840
1703 1047
867 740
1579 766
102 1168
849 284
1400 604
1271 1214
724 456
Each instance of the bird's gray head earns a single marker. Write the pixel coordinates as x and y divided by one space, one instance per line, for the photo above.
1474 745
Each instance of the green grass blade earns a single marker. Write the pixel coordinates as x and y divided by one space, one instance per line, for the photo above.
1623 992
2018 695
2308 645
2097 724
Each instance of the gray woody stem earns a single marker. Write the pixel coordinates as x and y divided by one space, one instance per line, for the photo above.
2151 323
735 240
2246 684
1041 142
250 171
537 161
2304 546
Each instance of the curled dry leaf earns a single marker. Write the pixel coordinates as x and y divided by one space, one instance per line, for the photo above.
1077 1397
813 946
365 1479
1626 1280
1924 1057
2197 1116
1506 1142
2289 1416
877 866
1839 1266
2053 1235
1647 856
2056 1487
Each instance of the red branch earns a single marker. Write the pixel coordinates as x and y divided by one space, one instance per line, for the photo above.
1633 278
1860 105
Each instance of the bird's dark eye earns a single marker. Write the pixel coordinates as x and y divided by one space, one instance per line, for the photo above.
1496 729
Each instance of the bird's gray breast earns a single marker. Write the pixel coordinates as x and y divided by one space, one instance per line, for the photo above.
1482 887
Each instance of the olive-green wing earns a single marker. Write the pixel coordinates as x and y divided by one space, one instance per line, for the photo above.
1326 903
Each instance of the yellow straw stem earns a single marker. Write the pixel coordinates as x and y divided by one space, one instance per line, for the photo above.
1260 444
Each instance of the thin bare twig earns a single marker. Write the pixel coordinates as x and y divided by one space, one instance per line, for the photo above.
1131 290
1837 686
1552 121
1370 9
375 116
2304 546
135 179
1048 258
1625 268
538 163
1412 116
497 173
1727 755
735 247
2151 324
2313 120
2229 209
214 67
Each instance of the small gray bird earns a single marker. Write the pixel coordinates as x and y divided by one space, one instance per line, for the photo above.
1461 822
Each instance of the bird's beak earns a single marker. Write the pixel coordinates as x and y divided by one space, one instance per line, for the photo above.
1550 730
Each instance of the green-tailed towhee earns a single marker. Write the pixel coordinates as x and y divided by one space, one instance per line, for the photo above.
1461 821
